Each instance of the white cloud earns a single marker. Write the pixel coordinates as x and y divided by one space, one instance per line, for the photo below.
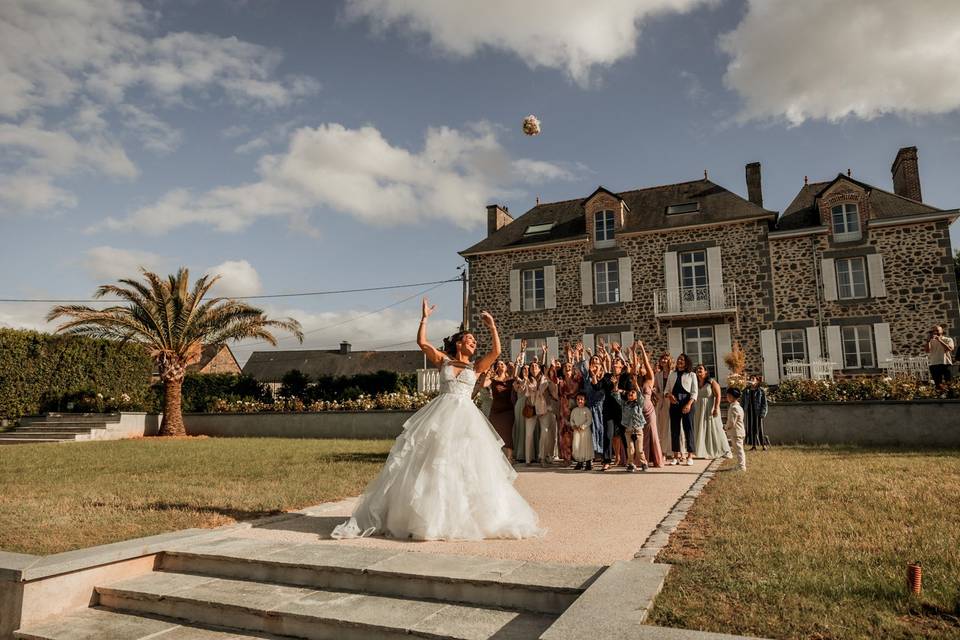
73 72
822 59
108 264
31 316
391 328
237 278
572 35
360 173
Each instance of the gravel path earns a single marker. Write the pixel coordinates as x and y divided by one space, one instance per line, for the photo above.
590 517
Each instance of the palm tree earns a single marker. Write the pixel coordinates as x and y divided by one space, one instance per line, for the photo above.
173 323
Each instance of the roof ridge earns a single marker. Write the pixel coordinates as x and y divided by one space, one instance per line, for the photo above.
620 193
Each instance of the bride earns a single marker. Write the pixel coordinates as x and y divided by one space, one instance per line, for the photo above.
446 477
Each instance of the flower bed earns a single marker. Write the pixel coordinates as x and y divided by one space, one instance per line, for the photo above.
862 389
380 402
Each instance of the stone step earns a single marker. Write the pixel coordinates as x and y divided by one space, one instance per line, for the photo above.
58 424
505 584
77 417
100 623
4 440
42 435
313 614
59 428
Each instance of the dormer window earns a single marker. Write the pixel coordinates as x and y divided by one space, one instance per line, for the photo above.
603 226
538 229
685 207
846 222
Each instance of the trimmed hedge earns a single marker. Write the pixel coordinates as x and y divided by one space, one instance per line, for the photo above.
334 388
202 390
43 372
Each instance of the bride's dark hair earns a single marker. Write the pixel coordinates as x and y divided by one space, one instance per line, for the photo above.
450 343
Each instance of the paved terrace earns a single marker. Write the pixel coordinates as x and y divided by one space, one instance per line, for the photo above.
591 518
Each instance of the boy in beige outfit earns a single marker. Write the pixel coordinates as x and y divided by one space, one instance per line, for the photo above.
735 429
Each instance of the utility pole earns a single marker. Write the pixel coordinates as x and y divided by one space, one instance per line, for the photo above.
465 325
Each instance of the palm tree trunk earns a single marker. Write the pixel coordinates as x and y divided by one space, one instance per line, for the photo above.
172 424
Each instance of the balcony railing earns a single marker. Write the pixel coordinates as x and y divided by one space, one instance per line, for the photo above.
686 301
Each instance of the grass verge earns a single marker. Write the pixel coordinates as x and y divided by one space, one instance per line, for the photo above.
59 497
814 543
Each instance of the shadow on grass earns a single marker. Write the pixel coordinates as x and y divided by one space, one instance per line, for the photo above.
235 514
367 458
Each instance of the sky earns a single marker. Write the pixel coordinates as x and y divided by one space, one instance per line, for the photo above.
303 146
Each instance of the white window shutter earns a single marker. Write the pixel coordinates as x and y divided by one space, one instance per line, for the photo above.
671 281
829 277
881 335
722 346
878 285
515 290
715 278
813 343
586 283
553 348
587 341
771 360
835 346
626 341
550 286
514 350
675 341
626 280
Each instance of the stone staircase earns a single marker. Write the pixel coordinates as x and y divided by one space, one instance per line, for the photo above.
57 427
251 588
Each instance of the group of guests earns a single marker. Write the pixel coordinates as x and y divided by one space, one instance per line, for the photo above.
615 408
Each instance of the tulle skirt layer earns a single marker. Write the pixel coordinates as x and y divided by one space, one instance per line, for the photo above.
446 478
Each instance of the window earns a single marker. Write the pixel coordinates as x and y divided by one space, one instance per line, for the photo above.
698 344
851 278
531 289
686 207
846 222
538 229
694 292
793 345
534 350
858 347
603 227
607 281
607 339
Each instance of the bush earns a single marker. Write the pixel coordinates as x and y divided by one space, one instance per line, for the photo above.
380 402
860 389
202 390
46 372
294 384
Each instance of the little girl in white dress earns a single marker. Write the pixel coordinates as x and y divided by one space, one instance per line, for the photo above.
446 477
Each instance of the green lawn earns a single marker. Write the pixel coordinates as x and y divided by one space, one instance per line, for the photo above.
59 497
814 543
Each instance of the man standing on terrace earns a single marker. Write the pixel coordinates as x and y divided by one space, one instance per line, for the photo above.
940 352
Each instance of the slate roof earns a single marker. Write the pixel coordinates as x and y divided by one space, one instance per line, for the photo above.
270 366
803 211
646 210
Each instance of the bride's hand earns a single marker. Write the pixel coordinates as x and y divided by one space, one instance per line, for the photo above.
427 308
487 319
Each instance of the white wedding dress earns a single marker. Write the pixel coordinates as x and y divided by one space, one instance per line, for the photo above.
446 477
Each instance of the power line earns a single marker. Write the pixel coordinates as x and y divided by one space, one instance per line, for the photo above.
272 295
355 318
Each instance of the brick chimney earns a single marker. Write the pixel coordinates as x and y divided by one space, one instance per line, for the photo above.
906 174
497 218
345 347
754 192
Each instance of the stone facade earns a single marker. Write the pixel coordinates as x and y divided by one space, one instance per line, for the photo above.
745 264
781 281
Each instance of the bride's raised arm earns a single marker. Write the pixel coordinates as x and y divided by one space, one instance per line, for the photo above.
487 361
433 355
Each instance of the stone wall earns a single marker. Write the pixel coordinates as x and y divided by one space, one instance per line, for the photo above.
924 423
918 272
223 362
745 262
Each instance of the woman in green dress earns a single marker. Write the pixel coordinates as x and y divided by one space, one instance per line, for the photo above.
709 439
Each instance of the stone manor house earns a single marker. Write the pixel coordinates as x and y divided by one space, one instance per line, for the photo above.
850 273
